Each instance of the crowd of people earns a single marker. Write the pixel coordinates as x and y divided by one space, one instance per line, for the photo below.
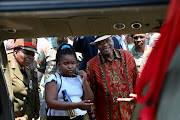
110 77
96 71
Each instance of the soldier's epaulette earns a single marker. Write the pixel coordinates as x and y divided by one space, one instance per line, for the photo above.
13 64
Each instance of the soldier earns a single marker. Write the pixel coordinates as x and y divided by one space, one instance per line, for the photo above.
47 56
24 79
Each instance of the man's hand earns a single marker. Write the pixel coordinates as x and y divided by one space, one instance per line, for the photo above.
21 118
132 99
133 95
83 75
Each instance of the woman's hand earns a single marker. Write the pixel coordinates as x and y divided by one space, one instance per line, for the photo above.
83 75
84 105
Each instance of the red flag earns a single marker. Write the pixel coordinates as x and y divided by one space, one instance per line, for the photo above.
158 62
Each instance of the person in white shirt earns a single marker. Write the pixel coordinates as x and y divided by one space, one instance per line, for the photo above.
77 88
154 38
122 41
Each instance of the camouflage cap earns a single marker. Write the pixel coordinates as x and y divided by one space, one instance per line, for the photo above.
27 44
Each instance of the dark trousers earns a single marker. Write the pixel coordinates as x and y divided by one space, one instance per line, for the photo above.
64 118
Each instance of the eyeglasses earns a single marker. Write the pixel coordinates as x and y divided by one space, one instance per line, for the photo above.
141 37
109 40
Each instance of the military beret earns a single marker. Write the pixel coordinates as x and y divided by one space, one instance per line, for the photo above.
27 44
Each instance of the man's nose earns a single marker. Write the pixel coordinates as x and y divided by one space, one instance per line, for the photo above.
104 43
139 38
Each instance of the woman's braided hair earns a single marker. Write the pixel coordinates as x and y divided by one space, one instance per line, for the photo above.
64 49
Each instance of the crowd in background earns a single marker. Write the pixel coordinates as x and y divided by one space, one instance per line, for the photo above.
86 48
105 85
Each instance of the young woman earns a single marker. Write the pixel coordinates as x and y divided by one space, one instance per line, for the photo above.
77 88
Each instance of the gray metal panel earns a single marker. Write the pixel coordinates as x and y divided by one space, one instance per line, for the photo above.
18 5
6 108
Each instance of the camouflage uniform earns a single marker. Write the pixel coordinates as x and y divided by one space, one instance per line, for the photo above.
46 59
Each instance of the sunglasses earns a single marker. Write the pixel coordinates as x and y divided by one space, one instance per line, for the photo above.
141 37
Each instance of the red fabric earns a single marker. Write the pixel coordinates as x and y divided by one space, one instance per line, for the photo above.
23 43
146 113
106 108
155 69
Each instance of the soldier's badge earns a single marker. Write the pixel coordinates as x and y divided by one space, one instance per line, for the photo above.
33 42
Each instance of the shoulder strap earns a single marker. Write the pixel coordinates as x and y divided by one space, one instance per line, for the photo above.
59 82
79 79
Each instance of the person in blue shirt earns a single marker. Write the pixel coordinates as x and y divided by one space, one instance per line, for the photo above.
82 45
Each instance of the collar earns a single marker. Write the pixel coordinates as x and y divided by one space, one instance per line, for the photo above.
134 51
74 75
116 56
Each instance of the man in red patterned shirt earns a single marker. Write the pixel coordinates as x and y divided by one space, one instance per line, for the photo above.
112 74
